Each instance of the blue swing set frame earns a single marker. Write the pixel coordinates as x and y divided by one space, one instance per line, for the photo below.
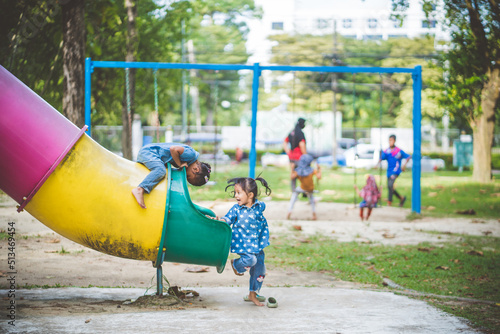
257 69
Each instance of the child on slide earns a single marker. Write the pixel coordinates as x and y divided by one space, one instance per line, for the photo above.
156 155
250 232
371 196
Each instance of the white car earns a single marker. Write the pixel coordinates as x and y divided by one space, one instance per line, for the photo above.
367 156
362 156
270 159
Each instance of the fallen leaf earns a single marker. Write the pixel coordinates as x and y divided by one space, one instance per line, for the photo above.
442 268
197 269
297 227
176 264
54 251
453 201
87 321
430 207
333 231
53 241
486 232
495 195
432 194
388 235
49 276
182 294
478 221
474 252
466 212
482 191
454 190
424 249
305 241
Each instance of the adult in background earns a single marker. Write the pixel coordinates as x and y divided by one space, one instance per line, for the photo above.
294 146
394 155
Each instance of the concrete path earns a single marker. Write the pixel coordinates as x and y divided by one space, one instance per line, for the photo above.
301 310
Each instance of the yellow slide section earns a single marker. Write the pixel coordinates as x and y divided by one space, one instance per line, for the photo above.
88 200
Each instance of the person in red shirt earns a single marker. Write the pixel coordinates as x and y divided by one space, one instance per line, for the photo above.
294 146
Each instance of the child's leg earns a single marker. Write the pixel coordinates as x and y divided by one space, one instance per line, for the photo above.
158 172
257 275
245 262
313 205
361 214
390 187
392 191
293 199
368 213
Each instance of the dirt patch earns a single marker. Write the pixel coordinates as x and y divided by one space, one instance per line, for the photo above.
29 308
46 259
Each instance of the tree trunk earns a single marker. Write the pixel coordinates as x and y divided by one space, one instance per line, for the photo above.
483 127
73 20
127 116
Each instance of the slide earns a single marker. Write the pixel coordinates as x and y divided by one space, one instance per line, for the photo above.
70 183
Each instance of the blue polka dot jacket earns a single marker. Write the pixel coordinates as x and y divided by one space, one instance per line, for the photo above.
250 230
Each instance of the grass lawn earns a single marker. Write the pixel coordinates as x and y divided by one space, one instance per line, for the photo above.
468 269
443 193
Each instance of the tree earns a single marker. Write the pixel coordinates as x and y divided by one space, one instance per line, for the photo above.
129 87
472 82
73 20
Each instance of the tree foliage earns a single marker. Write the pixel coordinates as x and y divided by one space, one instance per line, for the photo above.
31 48
471 84
358 95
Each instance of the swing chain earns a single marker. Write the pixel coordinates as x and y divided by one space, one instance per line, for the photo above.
157 114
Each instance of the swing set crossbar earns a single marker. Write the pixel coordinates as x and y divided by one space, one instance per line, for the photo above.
257 69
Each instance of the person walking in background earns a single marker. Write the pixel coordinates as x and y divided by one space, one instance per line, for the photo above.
294 146
394 155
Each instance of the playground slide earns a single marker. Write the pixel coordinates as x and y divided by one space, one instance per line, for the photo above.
82 191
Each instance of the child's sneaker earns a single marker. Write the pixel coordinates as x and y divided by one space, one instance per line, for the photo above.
402 202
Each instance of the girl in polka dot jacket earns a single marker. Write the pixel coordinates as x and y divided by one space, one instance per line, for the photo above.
250 232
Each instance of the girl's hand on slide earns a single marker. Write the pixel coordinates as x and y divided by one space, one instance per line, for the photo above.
184 164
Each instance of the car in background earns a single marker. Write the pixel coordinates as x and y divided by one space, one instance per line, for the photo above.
367 156
362 156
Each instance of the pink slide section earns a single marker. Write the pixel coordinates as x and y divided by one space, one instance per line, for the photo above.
34 138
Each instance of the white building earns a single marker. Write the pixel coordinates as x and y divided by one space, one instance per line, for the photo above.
360 19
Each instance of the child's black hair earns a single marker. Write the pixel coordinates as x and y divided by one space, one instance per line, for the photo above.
203 175
393 137
248 185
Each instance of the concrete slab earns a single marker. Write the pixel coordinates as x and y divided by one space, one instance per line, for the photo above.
301 310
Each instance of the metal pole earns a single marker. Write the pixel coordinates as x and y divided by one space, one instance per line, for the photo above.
255 101
417 139
159 281
183 90
88 78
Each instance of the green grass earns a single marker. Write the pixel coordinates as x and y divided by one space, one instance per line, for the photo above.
443 193
63 251
450 269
